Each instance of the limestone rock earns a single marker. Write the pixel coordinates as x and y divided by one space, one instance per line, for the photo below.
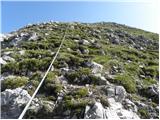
84 42
8 58
95 112
12 102
96 68
33 36
3 62
22 52
120 93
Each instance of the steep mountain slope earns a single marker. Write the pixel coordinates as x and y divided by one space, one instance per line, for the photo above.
103 70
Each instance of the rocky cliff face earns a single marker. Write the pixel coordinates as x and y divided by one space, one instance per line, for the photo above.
104 70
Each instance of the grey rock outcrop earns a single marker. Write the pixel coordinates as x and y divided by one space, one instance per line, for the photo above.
8 58
117 92
3 62
120 93
95 112
116 111
96 68
12 102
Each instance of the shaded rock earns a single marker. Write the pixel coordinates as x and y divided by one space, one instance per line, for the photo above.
101 52
140 104
120 93
116 92
113 38
129 105
64 70
63 79
110 91
67 112
94 112
151 92
84 51
102 80
96 45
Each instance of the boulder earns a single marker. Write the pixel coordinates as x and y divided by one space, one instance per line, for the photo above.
8 58
114 38
64 70
84 51
110 91
3 62
94 112
115 41
63 79
116 92
12 102
96 45
83 42
152 90
22 52
96 68
120 93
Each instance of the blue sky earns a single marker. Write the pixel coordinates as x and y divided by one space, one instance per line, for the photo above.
18 14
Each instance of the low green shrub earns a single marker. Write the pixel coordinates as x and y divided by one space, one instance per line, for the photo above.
127 81
144 113
32 64
82 92
149 81
85 72
101 59
151 71
132 68
14 82
51 85
104 101
74 104
11 67
82 76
